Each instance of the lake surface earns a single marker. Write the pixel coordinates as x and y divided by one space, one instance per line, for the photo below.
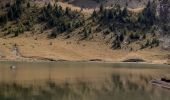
81 81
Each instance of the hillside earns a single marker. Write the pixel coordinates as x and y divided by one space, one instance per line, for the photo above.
122 26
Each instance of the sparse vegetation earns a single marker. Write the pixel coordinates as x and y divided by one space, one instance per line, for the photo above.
122 25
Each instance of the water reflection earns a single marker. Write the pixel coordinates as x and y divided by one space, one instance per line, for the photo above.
90 82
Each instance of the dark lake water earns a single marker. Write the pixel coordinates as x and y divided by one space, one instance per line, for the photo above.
81 81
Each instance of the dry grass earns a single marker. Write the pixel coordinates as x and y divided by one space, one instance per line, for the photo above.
70 50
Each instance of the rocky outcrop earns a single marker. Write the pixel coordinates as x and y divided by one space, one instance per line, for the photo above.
163 13
165 40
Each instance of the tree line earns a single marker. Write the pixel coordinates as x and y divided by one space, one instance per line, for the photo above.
116 17
14 11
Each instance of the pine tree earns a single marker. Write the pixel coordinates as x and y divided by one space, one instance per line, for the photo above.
121 37
148 16
105 14
49 7
10 14
101 8
5 19
94 14
110 14
68 10
28 5
125 12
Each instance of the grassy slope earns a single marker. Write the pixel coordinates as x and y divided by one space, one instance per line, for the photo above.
70 49
75 51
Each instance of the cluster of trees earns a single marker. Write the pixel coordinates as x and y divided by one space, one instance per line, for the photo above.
14 12
86 32
118 20
3 19
116 44
19 29
150 43
114 16
148 16
134 36
62 19
15 31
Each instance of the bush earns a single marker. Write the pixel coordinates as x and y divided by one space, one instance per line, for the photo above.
53 34
116 45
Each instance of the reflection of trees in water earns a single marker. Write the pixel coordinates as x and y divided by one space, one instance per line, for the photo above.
131 82
116 80
51 91
135 86
124 83
120 87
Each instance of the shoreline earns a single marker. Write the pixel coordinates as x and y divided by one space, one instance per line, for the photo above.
83 61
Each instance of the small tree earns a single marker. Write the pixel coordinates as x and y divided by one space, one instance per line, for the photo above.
101 8
28 5
94 14
148 16
147 43
125 12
